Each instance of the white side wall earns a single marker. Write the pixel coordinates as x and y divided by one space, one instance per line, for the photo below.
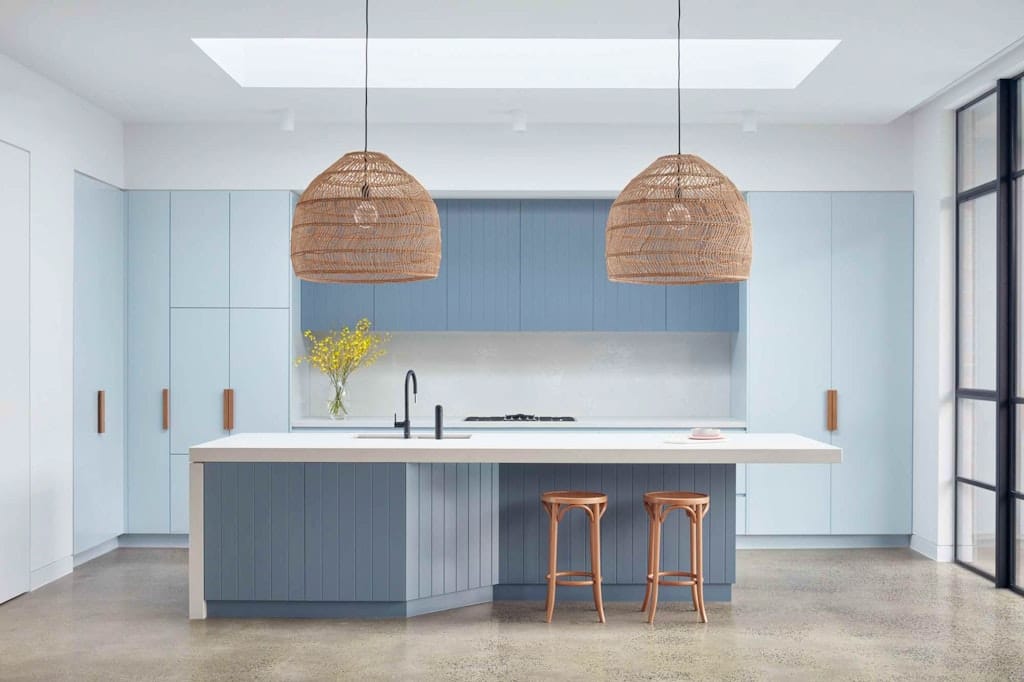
548 160
63 133
934 283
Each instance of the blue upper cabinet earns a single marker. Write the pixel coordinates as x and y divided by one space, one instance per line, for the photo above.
483 257
415 306
617 306
703 308
333 306
260 267
557 265
199 249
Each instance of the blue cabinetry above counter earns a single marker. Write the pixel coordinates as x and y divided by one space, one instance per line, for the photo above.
522 265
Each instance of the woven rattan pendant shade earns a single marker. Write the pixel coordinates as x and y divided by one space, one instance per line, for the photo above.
681 221
365 220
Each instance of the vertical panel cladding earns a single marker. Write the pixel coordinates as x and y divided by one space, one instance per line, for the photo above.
624 527
314 508
412 528
450 533
246 497
437 528
363 549
329 538
398 530
261 515
425 528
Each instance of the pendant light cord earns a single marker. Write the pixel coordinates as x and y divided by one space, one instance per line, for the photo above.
366 78
679 77
365 190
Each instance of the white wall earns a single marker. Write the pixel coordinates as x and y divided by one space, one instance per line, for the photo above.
563 160
63 133
578 374
934 256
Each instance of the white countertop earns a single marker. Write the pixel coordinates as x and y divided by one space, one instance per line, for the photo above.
584 423
639 447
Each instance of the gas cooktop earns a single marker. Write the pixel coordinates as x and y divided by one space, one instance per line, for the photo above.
520 418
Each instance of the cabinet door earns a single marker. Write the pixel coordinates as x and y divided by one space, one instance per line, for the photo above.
199 249
260 369
149 352
557 266
260 247
483 265
179 493
618 306
199 375
333 306
789 356
872 360
15 344
99 351
703 308
415 306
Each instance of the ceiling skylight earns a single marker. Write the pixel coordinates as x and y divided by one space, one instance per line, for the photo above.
520 63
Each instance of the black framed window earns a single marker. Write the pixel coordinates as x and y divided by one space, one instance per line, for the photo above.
989 510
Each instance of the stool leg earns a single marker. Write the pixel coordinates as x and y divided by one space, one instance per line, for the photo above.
700 563
692 518
552 560
655 563
650 557
595 558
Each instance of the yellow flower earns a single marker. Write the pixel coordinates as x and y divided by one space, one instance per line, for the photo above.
339 353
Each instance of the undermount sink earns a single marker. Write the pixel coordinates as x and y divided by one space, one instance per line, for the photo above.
398 436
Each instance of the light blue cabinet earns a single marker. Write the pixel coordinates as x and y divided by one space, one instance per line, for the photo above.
831 306
179 494
99 351
789 356
148 442
259 369
872 361
415 306
199 249
260 232
199 375
483 265
557 265
618 306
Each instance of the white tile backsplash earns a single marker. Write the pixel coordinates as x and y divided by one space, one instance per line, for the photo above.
581 374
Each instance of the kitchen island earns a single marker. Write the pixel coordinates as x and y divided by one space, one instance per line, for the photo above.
339 525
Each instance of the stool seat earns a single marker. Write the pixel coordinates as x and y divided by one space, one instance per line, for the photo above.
557 503
676 497
573 497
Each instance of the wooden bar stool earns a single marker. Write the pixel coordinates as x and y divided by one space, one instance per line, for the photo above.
658 506
557 503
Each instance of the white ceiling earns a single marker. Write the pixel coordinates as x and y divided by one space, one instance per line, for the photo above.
136 59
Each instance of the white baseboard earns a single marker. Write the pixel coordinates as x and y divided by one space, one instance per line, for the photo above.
926 547
50 572
95 552
154 540
820 541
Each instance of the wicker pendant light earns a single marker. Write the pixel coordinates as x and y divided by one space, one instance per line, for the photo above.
681 221
364 219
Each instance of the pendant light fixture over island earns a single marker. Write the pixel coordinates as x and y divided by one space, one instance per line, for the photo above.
365 219
680 221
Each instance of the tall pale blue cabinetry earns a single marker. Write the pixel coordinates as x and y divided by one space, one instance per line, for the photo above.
830 306
99 338
209 292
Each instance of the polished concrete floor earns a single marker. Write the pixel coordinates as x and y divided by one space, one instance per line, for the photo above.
850 614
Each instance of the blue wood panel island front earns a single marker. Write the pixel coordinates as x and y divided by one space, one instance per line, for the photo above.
322 539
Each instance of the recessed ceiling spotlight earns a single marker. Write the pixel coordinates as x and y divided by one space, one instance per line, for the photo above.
518 121
287 123
749 121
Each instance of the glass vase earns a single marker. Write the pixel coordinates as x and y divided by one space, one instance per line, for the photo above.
337 401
